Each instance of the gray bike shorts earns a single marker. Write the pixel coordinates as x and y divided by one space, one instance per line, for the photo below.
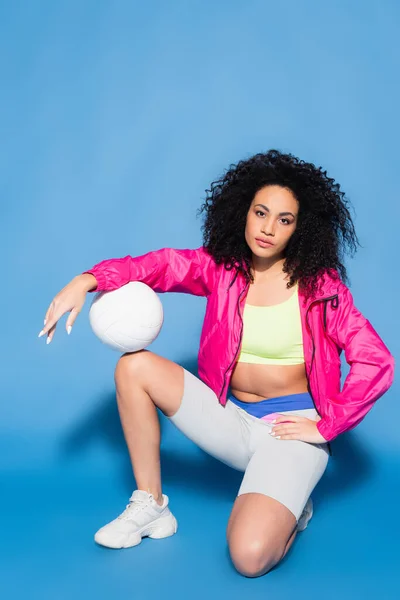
287 470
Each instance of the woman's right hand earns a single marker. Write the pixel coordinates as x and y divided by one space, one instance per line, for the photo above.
70 299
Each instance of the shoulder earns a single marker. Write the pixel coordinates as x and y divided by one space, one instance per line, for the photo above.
204 256
208 260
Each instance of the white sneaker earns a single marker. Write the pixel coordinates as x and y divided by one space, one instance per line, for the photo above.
142 517
305 515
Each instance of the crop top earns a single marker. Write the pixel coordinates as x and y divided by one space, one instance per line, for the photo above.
272 334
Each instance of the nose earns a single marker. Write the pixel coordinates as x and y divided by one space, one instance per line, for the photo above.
268 227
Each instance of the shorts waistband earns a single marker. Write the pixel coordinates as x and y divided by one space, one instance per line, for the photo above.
271 405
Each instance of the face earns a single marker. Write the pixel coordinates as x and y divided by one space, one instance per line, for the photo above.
272 217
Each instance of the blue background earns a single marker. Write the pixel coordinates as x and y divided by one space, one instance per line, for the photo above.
115 117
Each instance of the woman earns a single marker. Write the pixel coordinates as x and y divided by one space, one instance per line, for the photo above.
267 400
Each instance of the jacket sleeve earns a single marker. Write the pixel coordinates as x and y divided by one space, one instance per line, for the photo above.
165 270
371 368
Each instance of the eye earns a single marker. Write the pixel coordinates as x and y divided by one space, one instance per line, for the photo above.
259 212
287 221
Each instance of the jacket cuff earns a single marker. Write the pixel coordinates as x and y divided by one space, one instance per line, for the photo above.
325 430
101 280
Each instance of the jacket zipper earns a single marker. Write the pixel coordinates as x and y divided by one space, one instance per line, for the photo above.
335 303
240 337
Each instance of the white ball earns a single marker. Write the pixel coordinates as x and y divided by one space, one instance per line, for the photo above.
127 319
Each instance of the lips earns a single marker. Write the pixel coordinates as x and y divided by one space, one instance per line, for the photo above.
265 243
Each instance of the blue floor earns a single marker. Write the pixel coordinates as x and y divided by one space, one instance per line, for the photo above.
50 511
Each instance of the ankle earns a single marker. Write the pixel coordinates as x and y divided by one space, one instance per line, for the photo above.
159 499
158 496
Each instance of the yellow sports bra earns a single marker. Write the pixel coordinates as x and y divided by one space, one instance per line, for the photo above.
272 334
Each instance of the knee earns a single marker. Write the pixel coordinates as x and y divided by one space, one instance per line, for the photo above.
132 364
253 558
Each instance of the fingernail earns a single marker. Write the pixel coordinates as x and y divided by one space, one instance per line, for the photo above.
274 421
41 333
45 321
278 437
69 329
48 340
273 433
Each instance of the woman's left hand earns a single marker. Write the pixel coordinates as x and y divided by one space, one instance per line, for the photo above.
299 428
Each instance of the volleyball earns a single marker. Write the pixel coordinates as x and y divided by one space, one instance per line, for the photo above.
127 319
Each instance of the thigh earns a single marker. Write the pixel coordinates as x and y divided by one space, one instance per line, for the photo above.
286 470
218 430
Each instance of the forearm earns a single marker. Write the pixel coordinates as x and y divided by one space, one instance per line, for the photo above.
347 409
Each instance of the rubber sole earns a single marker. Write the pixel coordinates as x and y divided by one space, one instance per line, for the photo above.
157 530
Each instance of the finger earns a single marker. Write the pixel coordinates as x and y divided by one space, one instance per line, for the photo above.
51 334
49 313
285 429
49 324
71 320
290 418
51 319
290 436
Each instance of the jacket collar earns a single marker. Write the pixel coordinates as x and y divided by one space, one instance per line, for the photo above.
327 288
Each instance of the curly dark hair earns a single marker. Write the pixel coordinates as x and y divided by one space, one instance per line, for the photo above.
324 227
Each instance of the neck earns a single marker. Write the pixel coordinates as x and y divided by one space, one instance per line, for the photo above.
264 269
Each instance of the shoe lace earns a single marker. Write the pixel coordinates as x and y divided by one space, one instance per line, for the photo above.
134 507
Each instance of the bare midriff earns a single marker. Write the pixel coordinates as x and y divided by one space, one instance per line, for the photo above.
252 382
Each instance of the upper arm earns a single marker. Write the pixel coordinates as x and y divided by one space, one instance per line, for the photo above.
190 271
346 321
187 271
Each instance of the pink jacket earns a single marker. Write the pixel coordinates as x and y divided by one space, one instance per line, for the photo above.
330 323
